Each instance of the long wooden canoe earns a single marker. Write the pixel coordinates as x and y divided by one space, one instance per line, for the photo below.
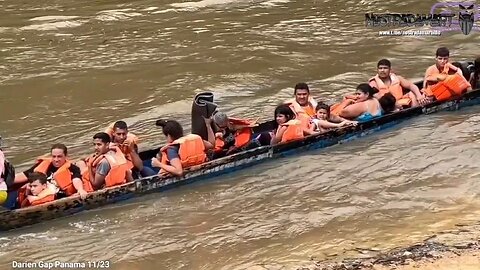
11 219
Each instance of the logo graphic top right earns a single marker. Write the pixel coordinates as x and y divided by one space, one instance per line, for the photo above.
467 15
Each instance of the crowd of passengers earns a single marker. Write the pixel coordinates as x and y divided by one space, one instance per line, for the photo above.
116 161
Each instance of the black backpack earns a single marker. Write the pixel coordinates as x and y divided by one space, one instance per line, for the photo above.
9 174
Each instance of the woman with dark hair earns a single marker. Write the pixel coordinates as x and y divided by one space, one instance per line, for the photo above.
366 107
182 151
287 127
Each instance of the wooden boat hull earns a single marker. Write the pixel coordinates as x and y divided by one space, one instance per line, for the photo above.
71 205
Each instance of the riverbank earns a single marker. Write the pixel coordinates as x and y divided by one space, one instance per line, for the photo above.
457 249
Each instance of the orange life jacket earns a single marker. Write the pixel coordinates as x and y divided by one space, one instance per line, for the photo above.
304 114
337 108
294 130
117 174
191 151
242 135
47 195
131 139
395 89
63 176
454 85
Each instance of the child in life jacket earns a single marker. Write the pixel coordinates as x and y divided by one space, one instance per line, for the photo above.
288 128
321 122
39 190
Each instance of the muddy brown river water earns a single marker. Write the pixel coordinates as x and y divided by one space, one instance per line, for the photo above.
69 68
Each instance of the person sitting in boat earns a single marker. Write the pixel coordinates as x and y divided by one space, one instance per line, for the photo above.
303 105
62 173
107 167
443 80
233 135
388 82
322 123
3 176
128 144
288 127
181 151
366 107
38 191
475 74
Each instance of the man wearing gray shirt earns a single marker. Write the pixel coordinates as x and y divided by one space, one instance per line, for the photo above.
97 169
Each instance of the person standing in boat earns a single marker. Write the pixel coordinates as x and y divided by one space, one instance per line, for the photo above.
62 173
388 82
128 144
107 167
233 135
181 151
444 80
366 107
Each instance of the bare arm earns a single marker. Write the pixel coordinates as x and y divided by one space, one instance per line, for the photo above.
78 184
353 110
308 131
336 118
454 68
432 76
97 177
278 135
174 168
136 160
326 124
210 144
98 180
20 178
410 85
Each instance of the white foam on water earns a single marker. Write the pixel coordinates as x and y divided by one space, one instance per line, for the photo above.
150 9
274 3
53 25
165 11
53 18
203 3
116 15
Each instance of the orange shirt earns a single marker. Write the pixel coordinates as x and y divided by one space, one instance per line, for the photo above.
432 71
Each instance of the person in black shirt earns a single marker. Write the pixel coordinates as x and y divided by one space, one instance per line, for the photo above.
59 171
